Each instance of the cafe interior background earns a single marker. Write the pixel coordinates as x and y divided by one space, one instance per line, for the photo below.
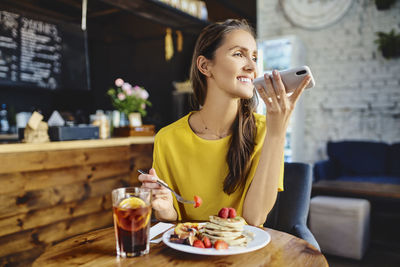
150 43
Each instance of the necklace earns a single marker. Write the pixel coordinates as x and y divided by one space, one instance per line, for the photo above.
209 130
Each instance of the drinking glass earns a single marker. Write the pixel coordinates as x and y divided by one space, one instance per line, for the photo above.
132 216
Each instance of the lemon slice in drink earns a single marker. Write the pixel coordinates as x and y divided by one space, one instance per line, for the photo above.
132 214
132 203
142 221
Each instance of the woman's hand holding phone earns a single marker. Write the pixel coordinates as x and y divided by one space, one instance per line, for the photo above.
291 78
279 104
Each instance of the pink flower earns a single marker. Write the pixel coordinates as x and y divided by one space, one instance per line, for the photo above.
136 91
143 105
144 94
126 86
121 96
128 91
119 82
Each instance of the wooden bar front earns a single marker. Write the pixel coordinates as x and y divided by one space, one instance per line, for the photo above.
50 192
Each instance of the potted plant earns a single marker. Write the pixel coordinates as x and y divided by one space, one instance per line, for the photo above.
389 44
384 4
130 100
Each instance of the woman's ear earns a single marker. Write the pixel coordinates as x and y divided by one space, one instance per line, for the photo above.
203 64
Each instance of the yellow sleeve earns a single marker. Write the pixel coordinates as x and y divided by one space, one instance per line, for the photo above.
159 164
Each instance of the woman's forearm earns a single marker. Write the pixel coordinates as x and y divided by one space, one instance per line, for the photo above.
261 196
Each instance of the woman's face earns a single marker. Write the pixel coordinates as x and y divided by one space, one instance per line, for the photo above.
234 65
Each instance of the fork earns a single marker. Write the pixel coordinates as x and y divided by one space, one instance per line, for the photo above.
178 197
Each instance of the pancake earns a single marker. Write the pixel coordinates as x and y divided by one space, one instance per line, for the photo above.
241 240
229 230
214 226
219 233
237 222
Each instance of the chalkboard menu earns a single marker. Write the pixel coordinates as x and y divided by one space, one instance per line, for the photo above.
35 53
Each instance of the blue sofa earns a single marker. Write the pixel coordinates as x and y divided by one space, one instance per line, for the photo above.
360 161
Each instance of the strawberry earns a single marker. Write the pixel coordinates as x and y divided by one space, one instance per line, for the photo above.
198 244
232 213
198 201
220 244
223 213
207 242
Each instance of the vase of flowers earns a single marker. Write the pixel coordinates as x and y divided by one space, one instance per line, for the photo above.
130 100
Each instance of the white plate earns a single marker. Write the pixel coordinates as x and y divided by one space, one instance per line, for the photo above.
261 239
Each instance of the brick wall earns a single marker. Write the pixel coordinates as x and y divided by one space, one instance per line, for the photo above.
357 95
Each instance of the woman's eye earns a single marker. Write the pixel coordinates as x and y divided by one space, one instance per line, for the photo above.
238 54
254 59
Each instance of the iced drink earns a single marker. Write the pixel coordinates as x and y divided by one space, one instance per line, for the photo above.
132 213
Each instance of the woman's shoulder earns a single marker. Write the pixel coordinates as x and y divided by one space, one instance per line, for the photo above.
173 129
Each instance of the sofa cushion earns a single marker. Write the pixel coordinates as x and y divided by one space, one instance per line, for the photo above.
394 160
358 157
371 179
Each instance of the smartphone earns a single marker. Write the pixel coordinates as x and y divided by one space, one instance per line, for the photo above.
291 78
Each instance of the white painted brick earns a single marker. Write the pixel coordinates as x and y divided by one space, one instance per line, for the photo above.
358 91
382 105
366 84
378 83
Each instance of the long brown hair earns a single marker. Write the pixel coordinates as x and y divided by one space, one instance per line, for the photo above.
244 128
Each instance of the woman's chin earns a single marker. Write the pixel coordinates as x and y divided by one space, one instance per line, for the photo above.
243 93
246 95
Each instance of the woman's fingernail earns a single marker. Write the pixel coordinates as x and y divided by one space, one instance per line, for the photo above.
275 72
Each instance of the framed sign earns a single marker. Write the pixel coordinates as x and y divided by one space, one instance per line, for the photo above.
39 53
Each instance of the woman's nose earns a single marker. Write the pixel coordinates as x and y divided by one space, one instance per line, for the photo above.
250 65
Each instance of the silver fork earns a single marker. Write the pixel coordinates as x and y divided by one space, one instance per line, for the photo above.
178 197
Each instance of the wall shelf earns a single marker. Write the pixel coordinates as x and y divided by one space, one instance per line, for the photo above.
162 13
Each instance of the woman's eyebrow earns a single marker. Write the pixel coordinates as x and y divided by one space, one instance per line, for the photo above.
242 48
238 46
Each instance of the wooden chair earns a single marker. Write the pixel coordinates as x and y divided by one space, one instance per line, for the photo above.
290 211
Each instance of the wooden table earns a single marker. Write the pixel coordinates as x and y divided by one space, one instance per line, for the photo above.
98 249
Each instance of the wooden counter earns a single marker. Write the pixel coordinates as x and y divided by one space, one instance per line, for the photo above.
50 192
94 143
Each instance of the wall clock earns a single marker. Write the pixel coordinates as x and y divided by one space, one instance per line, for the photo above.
315 14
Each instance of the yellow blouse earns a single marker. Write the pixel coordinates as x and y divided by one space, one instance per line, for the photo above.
191 165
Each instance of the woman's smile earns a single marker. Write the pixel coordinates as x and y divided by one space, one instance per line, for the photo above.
244 79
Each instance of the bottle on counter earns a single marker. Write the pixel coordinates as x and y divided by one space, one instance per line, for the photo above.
100 119
4 125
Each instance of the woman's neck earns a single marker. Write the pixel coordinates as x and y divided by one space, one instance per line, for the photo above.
218 114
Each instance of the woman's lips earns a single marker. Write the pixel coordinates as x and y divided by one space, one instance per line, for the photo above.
244 79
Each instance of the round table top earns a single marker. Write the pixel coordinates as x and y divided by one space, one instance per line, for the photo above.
98 249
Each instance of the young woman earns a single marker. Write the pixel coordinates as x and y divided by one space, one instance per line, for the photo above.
224 152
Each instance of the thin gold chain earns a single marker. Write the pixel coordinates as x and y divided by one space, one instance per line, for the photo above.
209 130
202 120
